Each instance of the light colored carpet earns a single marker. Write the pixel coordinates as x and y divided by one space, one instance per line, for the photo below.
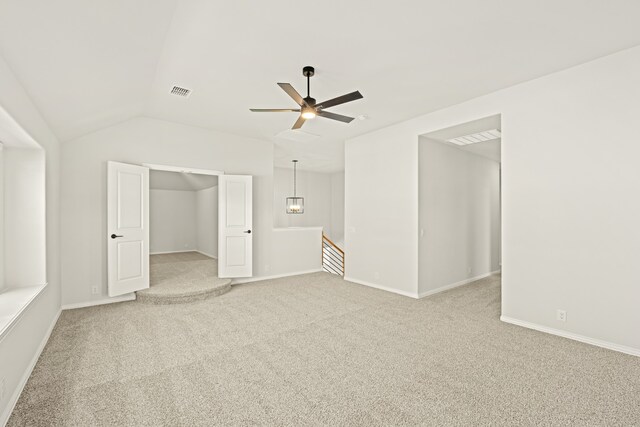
315 350
182 277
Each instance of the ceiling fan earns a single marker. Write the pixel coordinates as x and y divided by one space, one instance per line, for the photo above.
308 106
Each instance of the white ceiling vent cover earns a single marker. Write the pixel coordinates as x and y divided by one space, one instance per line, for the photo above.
180 91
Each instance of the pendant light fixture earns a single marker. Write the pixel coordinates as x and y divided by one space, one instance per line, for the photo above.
295 204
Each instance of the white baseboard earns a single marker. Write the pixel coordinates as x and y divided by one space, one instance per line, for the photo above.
276 276
173 252
4 418
587 340
206 254
122 298
383 288
455 285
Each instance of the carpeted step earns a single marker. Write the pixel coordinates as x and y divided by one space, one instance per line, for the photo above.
188 292
183 277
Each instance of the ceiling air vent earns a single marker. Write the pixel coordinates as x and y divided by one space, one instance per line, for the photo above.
180 91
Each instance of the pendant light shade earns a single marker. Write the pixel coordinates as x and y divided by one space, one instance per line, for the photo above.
295 204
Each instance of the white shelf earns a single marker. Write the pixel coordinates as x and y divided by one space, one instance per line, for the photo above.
13 302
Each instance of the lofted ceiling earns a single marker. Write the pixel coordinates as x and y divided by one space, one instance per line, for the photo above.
88 64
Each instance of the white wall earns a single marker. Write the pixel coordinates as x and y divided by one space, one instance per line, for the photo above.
20 345
570 180
1 217
323 200
145 140
301 244
381 210
172 221
337 208
207 221
459 215
24 217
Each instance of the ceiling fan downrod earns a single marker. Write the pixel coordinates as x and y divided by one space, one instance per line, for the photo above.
308 72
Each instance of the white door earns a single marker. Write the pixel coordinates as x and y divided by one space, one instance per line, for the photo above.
127 228
235 226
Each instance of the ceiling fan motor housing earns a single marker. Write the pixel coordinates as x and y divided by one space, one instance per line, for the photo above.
308 71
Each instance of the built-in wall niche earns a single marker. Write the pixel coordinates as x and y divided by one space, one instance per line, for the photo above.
23 273
23 217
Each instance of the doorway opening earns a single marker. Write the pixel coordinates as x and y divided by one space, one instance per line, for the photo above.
183 236
460 221
129 242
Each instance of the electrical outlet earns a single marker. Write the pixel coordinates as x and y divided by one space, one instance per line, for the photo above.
267 268
469 270
94 290
561 315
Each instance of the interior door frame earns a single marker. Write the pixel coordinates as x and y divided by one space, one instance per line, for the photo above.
182 169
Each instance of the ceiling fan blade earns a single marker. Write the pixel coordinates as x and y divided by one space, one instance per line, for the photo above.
298 124
292 93
334 116
273 110
340 100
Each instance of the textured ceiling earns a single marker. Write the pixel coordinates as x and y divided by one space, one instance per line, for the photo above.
88 64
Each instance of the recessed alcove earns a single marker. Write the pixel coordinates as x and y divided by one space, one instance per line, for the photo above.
22 221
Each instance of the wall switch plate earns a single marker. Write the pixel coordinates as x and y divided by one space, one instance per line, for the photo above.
94 290
561 315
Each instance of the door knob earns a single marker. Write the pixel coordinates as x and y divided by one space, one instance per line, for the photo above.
113 236
248 231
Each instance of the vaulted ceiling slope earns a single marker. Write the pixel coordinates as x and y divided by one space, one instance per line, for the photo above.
88 64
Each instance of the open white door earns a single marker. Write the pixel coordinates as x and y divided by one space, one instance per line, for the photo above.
235 224
127 228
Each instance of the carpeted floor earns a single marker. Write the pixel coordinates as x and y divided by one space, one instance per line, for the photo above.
314 350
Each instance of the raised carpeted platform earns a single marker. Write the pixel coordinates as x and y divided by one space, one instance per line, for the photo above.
183 277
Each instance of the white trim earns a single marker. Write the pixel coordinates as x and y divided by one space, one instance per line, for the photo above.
206 254
13 314
121 298
173 252
455 285
182 169
587 340
4 418
276 276
383 288
297 228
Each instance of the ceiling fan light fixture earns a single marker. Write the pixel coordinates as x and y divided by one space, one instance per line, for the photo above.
308 113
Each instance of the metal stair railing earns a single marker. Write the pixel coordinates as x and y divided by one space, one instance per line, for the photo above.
332 257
